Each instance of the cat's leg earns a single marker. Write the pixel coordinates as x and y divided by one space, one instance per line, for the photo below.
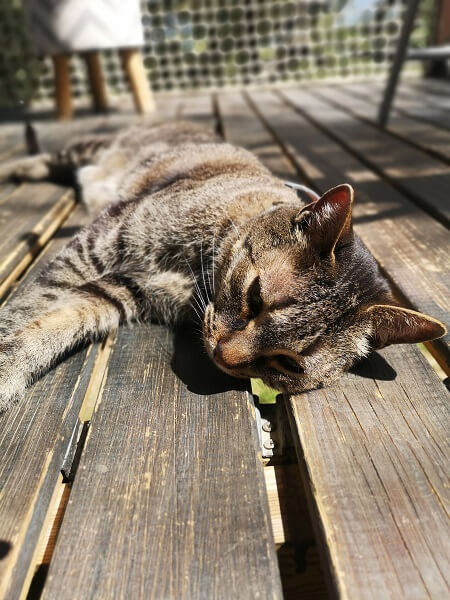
53 318
59 166
27 168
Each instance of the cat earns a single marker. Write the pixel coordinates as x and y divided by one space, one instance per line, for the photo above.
188 226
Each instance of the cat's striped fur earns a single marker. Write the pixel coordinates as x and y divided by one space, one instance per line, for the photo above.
184 220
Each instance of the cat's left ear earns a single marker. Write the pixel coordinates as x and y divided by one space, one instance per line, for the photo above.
398 325
329 220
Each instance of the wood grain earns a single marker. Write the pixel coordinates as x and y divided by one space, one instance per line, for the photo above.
169 492
362 100
436 87
34 438
198 107
424 106
418 175
28 218
408 244
375 454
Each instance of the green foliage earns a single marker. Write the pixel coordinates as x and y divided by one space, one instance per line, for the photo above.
265 394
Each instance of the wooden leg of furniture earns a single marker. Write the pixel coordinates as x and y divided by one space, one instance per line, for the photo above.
134 68
96 81
62 86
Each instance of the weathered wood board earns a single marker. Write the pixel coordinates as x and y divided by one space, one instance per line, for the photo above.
169 500
169 491
362 100
34 438
375 455
29 216
424 106
434 88
198 107
423 178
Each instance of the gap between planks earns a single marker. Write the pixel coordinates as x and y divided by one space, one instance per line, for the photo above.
35 579
422 136
406 184
44 230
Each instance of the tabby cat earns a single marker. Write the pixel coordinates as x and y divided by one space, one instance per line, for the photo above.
186 223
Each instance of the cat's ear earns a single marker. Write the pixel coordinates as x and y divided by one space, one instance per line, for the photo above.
329 220
398 325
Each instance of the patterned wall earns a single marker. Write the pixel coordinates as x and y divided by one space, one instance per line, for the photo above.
214 43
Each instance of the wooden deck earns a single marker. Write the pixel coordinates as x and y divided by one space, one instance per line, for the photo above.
163 493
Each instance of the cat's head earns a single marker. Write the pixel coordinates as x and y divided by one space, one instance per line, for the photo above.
300 298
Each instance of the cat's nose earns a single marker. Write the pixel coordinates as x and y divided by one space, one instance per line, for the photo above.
228 355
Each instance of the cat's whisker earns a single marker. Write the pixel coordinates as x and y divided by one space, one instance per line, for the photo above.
200 298
233 224
200 306
203 271
196 311
213 263
196 287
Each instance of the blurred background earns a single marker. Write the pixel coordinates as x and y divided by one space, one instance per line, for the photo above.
207 44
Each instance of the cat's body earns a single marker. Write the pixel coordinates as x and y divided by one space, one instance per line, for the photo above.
292 295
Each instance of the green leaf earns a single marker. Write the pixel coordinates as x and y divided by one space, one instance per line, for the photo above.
265 394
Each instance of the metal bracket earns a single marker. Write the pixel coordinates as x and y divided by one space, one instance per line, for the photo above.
264 427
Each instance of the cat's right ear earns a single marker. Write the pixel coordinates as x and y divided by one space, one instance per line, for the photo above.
398 325
328 222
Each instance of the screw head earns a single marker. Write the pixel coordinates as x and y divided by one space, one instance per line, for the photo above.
266 426
269 445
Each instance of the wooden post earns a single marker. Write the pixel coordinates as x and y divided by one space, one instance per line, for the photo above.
134 68
443 23
62 86
96 81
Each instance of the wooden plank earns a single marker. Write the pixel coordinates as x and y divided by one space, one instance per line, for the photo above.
28 218
239 554
169 492
375 453
198 107
362 100
426 98
387 221
415 173
435 86
421 105
34 438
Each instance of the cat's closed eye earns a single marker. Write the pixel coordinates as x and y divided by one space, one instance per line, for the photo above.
254 300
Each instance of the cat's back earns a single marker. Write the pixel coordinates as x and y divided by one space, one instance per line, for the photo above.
106 179
181 169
